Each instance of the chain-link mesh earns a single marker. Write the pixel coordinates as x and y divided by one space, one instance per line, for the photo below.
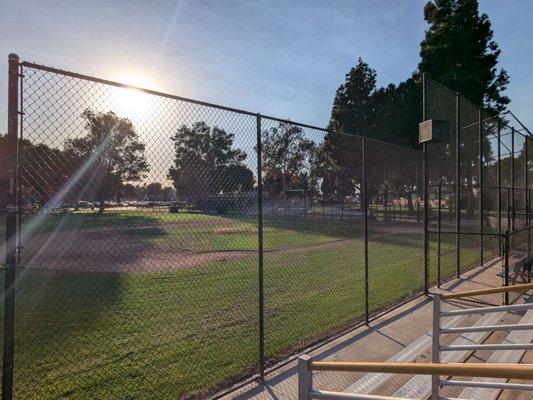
395 227
482 171
168 248
313 237
150 267
138 275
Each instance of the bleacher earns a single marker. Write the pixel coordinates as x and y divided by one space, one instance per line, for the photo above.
476 353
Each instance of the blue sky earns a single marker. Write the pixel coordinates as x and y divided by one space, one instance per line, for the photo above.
283 58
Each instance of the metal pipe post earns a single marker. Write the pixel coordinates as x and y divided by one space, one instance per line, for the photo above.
364 193
499 178
480 185
457 185
435 351
507 250
11 227
439 233
426 222
512 182
425 176
260 251
526 183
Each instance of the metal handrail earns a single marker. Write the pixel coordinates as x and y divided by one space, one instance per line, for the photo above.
509 371
487 310
503 289
502 371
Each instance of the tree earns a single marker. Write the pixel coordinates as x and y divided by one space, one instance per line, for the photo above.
459 52
110 155
45 171
205 163
389 114
352 103
155 191
285 158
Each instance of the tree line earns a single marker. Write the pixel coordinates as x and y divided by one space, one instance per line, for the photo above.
458 51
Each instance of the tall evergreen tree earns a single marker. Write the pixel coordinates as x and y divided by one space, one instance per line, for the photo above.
351 107
459 52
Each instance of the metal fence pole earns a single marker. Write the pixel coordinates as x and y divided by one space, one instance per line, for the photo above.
512 205
526 183
457 185
11 228
425 177
499 178
426 221
480 193
365 227
507 250
260 252
439 230
435 351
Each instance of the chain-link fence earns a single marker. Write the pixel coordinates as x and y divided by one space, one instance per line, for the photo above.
166 248
479 187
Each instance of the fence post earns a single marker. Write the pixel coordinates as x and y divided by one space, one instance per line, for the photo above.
512 181
426 200
458 185
305 377
11 228
435 350
499 177
480 184
506 250
439 232
260 252
526 190
364 191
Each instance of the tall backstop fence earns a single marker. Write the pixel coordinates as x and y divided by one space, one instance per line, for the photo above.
161 247
479 187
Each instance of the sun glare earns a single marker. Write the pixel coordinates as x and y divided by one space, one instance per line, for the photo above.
131 102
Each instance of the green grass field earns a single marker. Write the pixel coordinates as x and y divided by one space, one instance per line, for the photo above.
162 335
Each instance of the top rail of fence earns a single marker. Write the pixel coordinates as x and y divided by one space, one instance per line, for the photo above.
197 102
498 117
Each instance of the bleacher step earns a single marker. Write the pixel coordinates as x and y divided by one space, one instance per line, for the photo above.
419 386
502 357
370 382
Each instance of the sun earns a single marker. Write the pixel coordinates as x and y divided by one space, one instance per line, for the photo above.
130 102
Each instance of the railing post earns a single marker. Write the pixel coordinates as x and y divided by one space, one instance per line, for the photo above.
305 377
435 350
11 228
260 252
506 250
365 227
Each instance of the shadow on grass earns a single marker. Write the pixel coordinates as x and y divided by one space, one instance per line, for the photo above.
42 222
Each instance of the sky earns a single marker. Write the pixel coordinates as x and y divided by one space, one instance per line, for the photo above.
280 58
